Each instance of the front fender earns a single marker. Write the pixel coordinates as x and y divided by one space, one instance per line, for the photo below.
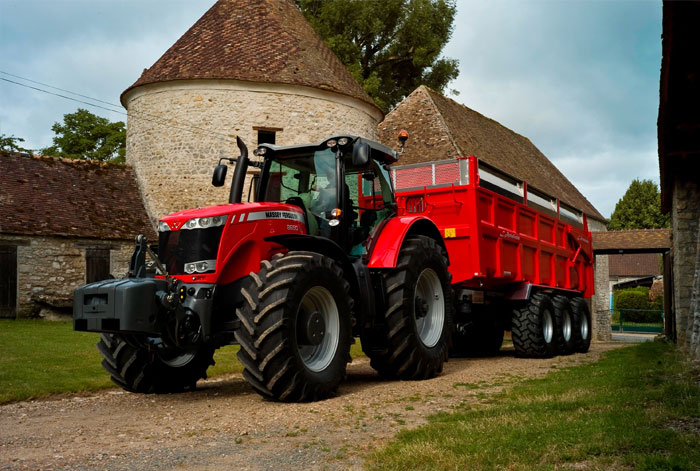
386 250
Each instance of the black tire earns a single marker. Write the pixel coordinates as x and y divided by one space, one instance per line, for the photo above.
136 368
410 348
582 326
289 354
564 322
533 328
482 338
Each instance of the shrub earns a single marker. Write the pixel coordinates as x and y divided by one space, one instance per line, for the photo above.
637 299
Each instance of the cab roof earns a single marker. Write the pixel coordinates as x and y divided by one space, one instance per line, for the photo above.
378 152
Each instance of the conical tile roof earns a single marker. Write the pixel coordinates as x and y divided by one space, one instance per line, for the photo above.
254 40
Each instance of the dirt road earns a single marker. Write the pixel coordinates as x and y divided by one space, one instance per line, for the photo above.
224 425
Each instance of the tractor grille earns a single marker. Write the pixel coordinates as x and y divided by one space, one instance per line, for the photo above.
175 248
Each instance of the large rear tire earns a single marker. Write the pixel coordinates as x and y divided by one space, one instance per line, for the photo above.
534 327
564 321
419 314
295 330
582 326
137 368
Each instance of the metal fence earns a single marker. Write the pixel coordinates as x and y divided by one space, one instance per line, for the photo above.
637 320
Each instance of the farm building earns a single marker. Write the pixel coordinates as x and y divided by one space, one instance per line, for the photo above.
63 223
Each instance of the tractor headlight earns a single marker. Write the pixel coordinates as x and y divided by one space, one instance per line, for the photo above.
202 266
205 222
163 226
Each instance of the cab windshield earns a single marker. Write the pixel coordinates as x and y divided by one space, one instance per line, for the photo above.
310 178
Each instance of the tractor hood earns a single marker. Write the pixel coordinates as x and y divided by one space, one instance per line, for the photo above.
234 213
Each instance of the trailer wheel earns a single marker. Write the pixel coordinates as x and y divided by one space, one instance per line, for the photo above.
419 314
295 327
534 327
582 325
137 368
564 322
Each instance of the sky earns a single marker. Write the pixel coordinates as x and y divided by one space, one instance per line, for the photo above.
579 78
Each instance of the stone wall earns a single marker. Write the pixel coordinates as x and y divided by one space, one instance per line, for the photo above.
685 220
50 268
600 303
177 131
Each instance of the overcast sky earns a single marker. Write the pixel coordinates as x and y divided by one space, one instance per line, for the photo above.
579 78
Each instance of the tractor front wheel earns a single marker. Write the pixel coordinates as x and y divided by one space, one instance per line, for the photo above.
150 367
295 327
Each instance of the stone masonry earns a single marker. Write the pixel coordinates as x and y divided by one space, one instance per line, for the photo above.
174 162
600 303
50 268
685 219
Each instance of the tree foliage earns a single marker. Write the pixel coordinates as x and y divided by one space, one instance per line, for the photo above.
639 208
390 46
11 143
83 135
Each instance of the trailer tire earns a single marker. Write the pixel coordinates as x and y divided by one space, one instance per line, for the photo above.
414 347
136 368
564 322
533 328
296 329
582 326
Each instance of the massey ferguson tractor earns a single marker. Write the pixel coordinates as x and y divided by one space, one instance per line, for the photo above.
416 261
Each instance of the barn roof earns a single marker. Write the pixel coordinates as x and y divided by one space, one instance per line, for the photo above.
635 264
254 40
441 128
62 197
632 241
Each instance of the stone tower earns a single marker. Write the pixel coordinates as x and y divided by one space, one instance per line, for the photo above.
252 68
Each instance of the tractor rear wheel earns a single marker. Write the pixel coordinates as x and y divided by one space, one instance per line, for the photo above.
534 327
582 326
150 367
295 330
419 314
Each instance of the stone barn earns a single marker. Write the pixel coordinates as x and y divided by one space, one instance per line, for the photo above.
63 223
679 161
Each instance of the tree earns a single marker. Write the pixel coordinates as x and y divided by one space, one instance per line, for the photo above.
84 135
10 143
639 208
390 46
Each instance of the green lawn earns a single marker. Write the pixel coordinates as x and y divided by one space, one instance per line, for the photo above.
39 358
638 408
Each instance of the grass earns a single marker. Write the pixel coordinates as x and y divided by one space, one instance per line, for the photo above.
40 358
637 408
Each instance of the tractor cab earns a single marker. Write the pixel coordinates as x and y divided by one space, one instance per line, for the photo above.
342 185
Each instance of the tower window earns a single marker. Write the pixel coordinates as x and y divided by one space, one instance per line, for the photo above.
266 136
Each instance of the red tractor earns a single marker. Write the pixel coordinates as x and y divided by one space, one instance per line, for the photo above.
340 245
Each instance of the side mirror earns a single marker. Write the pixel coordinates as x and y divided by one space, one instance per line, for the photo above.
219 176
360 154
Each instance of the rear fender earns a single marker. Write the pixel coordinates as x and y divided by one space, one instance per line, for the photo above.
386 250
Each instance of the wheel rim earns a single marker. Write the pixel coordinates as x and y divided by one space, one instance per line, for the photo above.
429 312
547 326
566 326
584 327
176 359
318 304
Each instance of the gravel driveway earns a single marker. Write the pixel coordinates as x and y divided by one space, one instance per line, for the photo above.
224 425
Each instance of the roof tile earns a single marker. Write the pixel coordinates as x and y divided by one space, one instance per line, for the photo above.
63 197
254 40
